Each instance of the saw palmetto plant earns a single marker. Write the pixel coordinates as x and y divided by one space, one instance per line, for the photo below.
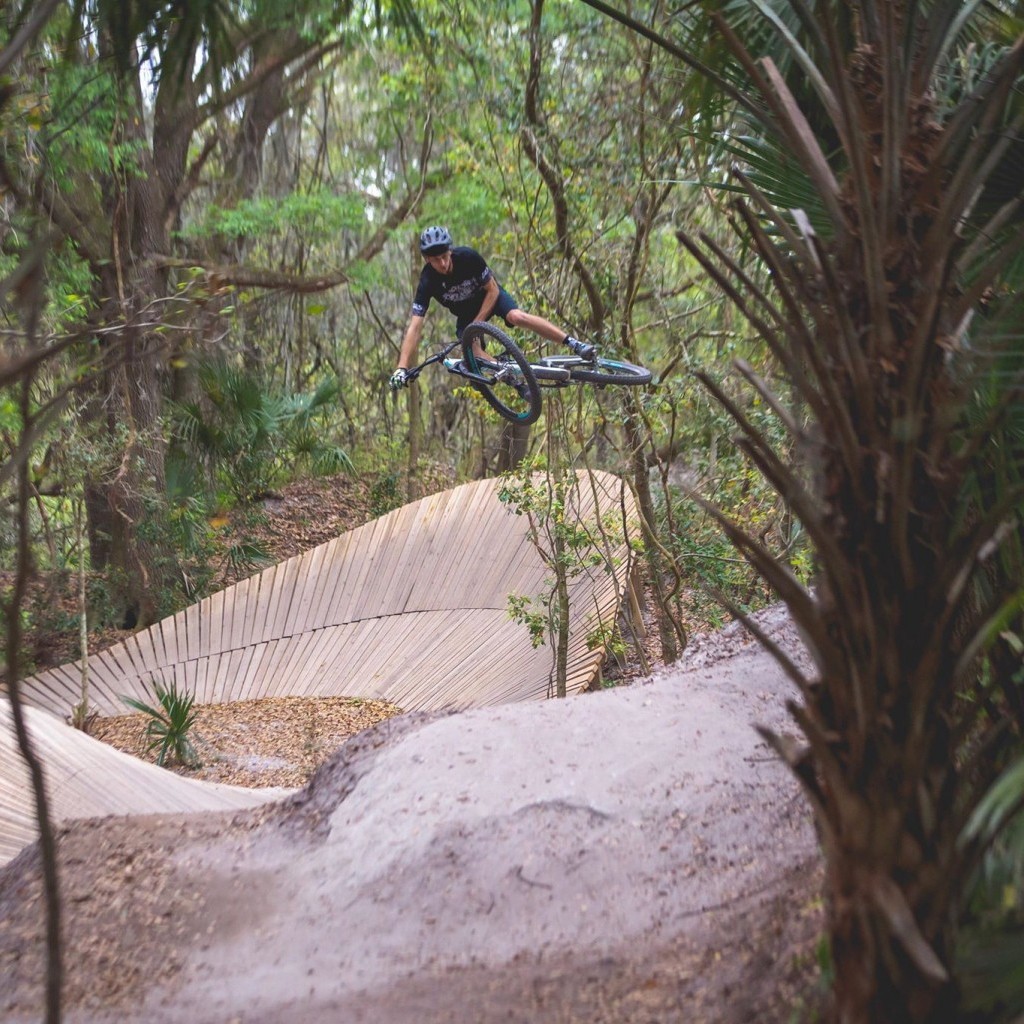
169 724
893 303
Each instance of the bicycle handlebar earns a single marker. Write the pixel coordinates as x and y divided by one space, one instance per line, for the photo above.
415 371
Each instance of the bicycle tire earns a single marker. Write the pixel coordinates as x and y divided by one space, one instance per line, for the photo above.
599 371
501 391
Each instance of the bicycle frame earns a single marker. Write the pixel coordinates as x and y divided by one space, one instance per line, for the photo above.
453 366
509 372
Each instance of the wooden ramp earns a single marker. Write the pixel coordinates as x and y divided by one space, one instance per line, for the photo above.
410 608
88 779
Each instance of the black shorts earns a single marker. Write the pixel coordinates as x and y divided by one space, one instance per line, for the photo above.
502 307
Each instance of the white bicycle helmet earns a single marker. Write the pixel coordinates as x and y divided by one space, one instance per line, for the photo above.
435 240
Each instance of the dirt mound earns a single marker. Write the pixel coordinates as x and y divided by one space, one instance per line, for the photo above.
634 855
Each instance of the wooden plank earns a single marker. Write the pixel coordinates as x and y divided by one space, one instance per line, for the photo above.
332 670
257 588
262 662
331 576
255 631
435 675
132 656
348 560
270 601
365 648
164 637
213 622
467 573
416 556
105 674
306 573
292 679
117 662
277 655
147 656
368 588
354 606
206 673
176 638
284 591
190 670
231 677
55 691
304 594
289 678
250 672
193 633
308 666
350 670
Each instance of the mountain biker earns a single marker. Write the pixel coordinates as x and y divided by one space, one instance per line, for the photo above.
460 279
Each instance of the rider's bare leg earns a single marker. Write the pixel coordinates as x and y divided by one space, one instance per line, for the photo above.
537 324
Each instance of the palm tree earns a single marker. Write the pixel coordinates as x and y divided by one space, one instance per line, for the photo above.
892 302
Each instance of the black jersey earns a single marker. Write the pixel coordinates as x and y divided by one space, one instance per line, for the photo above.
461 291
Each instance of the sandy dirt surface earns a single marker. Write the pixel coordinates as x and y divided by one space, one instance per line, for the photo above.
633 855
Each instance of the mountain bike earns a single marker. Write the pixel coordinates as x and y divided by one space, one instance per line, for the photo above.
512 384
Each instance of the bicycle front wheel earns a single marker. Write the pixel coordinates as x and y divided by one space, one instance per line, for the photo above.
502 374
599 371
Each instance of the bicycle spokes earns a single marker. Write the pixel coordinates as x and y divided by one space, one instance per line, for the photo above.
502 376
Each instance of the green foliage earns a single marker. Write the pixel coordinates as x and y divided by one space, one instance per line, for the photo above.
314 216
170 724
467 207
709 557
247 556
169 32
188 514
713 469
536 623
568 544
385 494
81 133
248 436
990 949
607 639
10 414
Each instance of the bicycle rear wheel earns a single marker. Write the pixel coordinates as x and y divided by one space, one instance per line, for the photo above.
599 371
508 383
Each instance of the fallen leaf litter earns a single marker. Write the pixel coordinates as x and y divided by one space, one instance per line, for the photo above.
272 741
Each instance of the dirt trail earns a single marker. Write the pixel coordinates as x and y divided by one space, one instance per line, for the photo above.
634 855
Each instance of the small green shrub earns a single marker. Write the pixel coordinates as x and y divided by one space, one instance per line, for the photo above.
170 724
608 639
247 556
384 494
519 610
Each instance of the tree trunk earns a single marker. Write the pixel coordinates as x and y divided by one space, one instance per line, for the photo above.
513 446
140 552
142 209
889 913
671 632
561 614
